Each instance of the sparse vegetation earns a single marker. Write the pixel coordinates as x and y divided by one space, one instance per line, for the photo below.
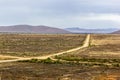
46 61
100 61
37 45
52 71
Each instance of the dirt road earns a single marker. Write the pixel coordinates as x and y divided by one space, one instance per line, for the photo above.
85 44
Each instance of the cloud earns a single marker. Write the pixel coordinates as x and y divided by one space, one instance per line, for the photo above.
109 17
58 13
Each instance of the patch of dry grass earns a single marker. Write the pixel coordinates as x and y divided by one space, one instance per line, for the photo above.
38 44
37 71
102 46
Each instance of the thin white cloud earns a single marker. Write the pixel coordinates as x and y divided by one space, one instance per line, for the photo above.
100 2
109 17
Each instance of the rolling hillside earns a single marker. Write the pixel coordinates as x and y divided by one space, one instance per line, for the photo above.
32 29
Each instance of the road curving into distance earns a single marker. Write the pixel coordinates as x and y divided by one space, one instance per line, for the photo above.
85 44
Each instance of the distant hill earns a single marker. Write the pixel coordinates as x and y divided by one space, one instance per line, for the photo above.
32 29
80 30
116 32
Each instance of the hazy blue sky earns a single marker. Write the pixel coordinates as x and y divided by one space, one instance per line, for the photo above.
61 13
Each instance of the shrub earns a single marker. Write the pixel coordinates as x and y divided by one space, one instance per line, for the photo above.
48 60
34 60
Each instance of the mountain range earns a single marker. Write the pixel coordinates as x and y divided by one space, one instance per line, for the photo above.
51 30
116 32
81 30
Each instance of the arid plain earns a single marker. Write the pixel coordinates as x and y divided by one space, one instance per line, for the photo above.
77 59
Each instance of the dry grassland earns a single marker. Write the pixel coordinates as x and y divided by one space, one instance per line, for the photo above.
36 45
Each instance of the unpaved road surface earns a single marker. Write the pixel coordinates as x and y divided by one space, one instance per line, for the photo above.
85 44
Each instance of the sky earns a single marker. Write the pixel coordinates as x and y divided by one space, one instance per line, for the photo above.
61 13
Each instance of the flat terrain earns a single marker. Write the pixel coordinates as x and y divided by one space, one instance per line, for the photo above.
26 45
102 46
98 60
26 71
